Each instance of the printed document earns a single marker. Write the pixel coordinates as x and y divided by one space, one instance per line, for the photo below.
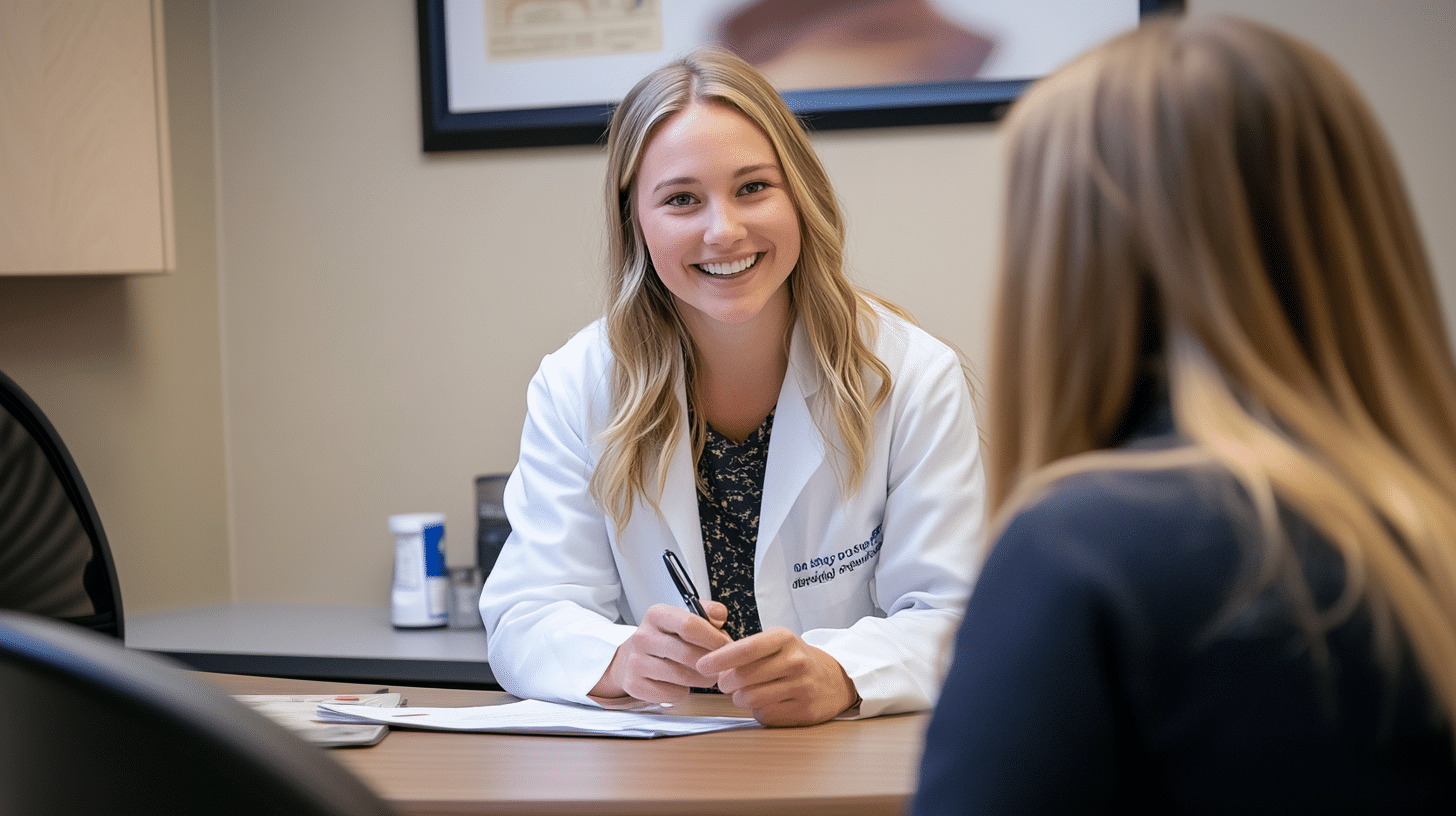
536 717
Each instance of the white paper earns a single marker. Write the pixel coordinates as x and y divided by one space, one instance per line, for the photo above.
298 713
536 717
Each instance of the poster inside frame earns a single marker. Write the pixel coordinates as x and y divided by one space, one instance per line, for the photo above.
532 73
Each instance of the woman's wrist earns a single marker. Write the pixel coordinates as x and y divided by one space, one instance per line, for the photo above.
609 686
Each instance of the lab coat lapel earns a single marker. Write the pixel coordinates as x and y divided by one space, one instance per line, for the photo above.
796 447
680 503
796 451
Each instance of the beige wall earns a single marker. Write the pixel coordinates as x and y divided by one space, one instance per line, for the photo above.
381 310
129 368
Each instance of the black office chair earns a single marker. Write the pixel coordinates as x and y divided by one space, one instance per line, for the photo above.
90 726
54 560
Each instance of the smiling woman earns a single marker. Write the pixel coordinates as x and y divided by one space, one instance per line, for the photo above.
720 225
723 235
744 406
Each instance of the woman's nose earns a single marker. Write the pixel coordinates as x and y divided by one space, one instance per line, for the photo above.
725 225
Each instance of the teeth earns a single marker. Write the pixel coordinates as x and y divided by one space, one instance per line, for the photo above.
729 268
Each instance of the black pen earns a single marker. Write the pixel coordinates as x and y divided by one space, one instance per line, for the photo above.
684 584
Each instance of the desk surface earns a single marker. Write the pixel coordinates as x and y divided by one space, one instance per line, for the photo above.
322 642
845 768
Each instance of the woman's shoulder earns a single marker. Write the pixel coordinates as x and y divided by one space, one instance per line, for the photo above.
1132 493
579 366
1152 552
899 341
585 350
1133 522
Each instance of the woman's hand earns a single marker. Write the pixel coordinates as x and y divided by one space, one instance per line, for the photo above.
656 664
780 678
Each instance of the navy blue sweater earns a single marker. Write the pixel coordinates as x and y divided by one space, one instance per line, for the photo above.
1087 678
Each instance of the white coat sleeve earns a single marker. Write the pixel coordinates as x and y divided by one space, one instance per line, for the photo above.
551 602
932 543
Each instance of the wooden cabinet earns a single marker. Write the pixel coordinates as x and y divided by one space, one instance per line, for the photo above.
85 183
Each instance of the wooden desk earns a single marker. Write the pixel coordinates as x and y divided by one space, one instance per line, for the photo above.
841 768
351 643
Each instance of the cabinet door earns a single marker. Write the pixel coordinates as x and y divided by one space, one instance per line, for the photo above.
85 186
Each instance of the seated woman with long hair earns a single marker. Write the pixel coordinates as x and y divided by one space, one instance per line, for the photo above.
1222 454
807 452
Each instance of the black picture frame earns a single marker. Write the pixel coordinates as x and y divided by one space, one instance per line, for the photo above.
883 106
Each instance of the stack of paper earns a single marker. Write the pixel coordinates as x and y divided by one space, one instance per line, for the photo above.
535 717
297 713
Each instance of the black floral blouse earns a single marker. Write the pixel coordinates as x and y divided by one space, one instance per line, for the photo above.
728 510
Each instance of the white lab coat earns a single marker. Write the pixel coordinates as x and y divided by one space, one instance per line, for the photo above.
567 589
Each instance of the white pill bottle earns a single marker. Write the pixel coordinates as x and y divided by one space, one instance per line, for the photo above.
421 591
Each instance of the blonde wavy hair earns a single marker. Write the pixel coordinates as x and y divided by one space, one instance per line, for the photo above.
650 344
1208 204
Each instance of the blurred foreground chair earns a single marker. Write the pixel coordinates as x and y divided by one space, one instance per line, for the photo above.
54 560
93 727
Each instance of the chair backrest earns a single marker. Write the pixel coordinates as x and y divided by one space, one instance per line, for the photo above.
54 559
93 727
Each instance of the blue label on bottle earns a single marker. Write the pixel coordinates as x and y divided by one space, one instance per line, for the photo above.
434 535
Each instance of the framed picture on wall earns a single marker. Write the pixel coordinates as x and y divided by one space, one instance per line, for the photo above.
526 73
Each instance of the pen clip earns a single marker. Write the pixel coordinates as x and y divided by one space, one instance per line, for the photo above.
684 583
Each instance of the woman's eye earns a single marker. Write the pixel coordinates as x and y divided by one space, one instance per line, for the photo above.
753 187
679 200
